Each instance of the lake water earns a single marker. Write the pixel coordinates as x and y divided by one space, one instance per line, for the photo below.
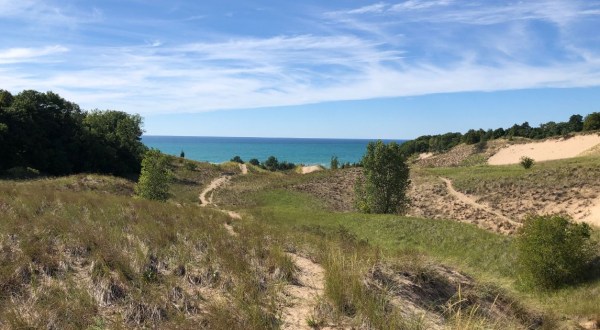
298 151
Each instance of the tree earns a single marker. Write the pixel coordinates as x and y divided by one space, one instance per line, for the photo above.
553 251
271 164
43 132
334 163
113 142
182 154
237 159
591 122
576 123
155 176
254 162
386 179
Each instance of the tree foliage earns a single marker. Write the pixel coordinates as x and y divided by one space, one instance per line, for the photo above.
155 176
554 251
50 134
237 159
273 164
335 163
592 122
386 180
444 142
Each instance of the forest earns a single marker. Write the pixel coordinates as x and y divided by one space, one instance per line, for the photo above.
43 132
444 142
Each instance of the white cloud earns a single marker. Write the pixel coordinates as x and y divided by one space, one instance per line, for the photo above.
374 8
18 55
359 57
419 4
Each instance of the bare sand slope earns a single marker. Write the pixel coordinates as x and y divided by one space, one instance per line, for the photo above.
546 150
310 169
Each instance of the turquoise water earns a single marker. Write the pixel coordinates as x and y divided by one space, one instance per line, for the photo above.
222 149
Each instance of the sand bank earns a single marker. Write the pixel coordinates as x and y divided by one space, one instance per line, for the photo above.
310 169
546 150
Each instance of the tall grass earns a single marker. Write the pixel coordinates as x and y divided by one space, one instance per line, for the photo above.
79 259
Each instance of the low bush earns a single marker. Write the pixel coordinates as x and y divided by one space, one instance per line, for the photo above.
554 251
527 162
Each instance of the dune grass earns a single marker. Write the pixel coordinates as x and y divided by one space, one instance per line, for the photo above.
73 260
487 256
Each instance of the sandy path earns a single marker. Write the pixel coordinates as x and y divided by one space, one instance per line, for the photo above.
546 150
205 198
244 169
311 276
305 295
468 200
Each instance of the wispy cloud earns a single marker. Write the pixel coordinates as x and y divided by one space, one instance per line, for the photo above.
19 55
445 46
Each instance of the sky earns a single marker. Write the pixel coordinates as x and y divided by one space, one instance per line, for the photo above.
340 69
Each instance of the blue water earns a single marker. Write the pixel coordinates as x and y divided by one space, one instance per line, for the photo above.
298 151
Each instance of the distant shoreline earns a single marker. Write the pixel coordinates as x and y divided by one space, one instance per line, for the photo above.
307 151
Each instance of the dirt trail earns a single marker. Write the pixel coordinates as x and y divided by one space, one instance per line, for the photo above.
205 198
304 295
468 200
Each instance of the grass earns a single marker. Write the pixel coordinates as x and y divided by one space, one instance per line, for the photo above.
79 259
487 256
81 252
549 174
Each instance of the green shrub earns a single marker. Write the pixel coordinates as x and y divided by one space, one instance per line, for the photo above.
386 179
254 162
527 162
554 251
334 163
155 177
190 166
237 159
592 122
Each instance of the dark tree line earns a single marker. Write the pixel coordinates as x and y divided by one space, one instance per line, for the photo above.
271 163
444 142
54 136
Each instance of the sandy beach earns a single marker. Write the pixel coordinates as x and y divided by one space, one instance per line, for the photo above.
546 150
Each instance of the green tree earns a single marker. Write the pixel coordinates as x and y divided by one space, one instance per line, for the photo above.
271 164
386 179
182 154
155 176
237 159
254 162
591 122
113 142
576 123
43 131
334 163
554 251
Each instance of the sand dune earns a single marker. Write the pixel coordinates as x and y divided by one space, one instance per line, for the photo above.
310 169
546 150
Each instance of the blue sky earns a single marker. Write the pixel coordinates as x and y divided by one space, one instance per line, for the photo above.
360 69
